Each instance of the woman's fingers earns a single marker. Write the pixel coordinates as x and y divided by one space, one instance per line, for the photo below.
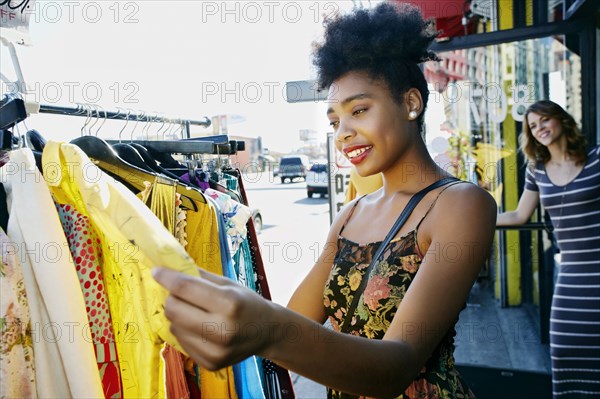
211 355
199 292
219 280
217 323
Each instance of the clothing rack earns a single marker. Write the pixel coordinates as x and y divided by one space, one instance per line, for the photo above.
90 110
12 111
186 146
219 145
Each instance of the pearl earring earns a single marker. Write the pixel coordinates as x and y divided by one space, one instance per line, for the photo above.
412 115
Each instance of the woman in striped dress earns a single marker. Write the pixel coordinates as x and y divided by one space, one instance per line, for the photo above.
565 175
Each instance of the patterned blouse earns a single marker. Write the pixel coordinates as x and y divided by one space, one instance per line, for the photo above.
387 285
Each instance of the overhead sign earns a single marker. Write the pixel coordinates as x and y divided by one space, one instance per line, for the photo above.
304 91
308 135
219 124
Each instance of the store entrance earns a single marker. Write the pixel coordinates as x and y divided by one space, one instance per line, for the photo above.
478 99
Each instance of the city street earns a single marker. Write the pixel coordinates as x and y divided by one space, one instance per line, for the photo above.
294 230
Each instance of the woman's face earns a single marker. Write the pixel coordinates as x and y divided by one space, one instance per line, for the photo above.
371 129
546 130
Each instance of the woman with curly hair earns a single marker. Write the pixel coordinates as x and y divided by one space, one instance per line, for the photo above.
565 176
390 282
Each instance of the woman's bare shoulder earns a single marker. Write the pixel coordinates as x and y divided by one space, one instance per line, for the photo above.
466 202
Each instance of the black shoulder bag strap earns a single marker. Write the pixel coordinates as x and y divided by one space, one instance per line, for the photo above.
412 203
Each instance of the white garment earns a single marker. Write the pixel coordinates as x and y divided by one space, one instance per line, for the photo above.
17 368
65 362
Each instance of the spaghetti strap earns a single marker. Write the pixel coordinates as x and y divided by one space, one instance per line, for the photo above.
433 203
350 214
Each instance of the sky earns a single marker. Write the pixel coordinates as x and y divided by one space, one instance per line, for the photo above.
184 59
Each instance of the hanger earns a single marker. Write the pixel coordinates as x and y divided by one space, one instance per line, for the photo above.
35 140
147 158
129 153
151 162
106 158
6 140
192 168
12 113
104 121
165 158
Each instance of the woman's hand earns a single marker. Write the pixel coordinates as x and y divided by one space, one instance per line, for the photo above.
217 321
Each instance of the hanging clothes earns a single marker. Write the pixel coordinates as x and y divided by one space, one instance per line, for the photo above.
175 379
133 242
206 251
86 251
17 371
65 363
235 216
204 248
180 223
163 201
248 384
244 270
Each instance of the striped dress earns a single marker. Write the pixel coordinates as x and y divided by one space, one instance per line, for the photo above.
575 315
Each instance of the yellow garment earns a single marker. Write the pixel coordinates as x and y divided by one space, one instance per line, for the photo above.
203 247
163 203
203 238
360 186
133 242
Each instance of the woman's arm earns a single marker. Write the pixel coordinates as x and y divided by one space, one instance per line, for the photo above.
527 204
220 323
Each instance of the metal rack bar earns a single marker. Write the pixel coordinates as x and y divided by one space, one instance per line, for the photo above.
97 112
176 147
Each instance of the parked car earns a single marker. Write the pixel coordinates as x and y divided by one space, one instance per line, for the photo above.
293 166
317 180
258 220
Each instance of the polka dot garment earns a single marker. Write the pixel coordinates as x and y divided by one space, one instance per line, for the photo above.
86 251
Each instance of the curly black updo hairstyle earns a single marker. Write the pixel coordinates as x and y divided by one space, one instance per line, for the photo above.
387 42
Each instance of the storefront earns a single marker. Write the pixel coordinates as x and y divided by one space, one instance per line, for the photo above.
497 58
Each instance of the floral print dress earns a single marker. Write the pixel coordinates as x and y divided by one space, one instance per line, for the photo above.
387 285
